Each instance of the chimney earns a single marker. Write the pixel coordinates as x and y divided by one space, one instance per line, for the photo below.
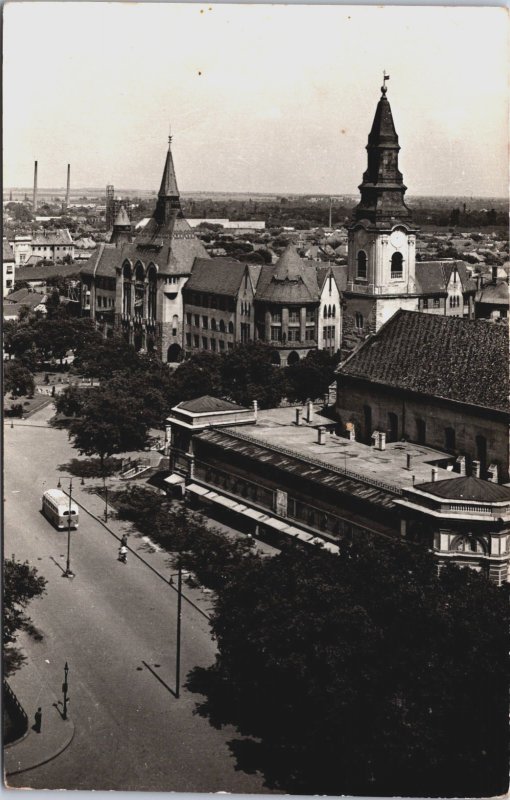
413 478
255 409
34 199
381 440
68 191
434 474
409 460
321 435
309 411
475 469
492 473
298 416
352 432
461 461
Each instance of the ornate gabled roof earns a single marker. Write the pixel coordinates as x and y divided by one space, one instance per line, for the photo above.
290 280
467 488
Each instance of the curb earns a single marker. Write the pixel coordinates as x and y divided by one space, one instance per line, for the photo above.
39 763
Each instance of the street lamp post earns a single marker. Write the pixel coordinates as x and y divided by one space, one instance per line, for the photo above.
68 573
64 691
105 488
179 628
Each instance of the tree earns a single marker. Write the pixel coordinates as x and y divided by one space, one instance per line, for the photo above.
248 374
311 377
21 585
101 357
71 401
18 379
197 376
111 422
362 673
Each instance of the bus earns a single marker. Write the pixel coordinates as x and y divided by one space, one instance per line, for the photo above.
57 507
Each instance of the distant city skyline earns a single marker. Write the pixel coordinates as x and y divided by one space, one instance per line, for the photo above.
262 99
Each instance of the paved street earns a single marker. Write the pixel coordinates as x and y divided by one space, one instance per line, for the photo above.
131 732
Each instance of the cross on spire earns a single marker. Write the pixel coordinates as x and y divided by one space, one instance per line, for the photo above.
384 88
169 133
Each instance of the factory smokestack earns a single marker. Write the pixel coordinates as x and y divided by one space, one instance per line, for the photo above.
34 200
68 192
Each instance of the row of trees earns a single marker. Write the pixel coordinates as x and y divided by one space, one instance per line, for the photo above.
117 416
21 584
363 673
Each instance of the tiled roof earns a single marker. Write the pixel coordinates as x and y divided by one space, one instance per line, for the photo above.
217 276
25 297
28 273
103 261
53 237
7 252
448 357
339 274
290 280
431 277
467 488
495 294
206 404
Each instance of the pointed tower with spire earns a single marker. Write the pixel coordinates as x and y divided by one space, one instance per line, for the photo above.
382 238
122 229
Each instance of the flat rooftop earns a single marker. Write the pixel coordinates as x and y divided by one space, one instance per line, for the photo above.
276 428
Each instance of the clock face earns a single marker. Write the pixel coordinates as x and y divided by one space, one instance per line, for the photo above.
398 238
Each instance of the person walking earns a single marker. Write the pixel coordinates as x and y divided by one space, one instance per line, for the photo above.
123 553
37 720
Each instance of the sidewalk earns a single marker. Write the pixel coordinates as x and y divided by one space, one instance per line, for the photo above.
56 733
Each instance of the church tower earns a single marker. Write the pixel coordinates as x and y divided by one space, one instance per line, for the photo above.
382 238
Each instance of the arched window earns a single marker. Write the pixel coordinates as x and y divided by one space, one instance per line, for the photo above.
231 327
449 439
362 265
275 358
358 320
222 326
127 284
325 312
397 267
293 358
468 544
213 324
175 324
153 289
139 289
174 353
334 311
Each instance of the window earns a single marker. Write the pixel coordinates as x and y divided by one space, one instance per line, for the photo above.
421 431
310 334
205 323
358 320
325 312
436 302
333 314
188 339
310 315
294 315
276 333
222 326
449 439
197 321
276 316
204 342
188 319
230 346
213 345
196 340
425 303
222 344
213 324
231 327
362 265
397 267
293 335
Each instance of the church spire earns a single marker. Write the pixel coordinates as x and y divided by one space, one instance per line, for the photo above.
382 189
169 202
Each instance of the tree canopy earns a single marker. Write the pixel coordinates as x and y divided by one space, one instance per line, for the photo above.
21 585
18 379
311 377
248 374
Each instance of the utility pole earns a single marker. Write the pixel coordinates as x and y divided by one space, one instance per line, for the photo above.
65 687
178 650
68 573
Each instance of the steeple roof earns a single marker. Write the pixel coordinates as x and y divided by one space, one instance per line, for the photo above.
168 186
288 281
382 190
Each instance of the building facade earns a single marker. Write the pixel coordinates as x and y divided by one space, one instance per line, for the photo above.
8 268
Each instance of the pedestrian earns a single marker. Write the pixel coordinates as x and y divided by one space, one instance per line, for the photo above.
123 553
123 541
37 720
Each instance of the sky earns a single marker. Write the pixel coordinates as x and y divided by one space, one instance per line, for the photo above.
260 98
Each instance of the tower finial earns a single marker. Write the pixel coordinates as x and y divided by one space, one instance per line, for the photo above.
384 88
169 133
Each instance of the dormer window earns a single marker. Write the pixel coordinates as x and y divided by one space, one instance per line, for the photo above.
361 273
